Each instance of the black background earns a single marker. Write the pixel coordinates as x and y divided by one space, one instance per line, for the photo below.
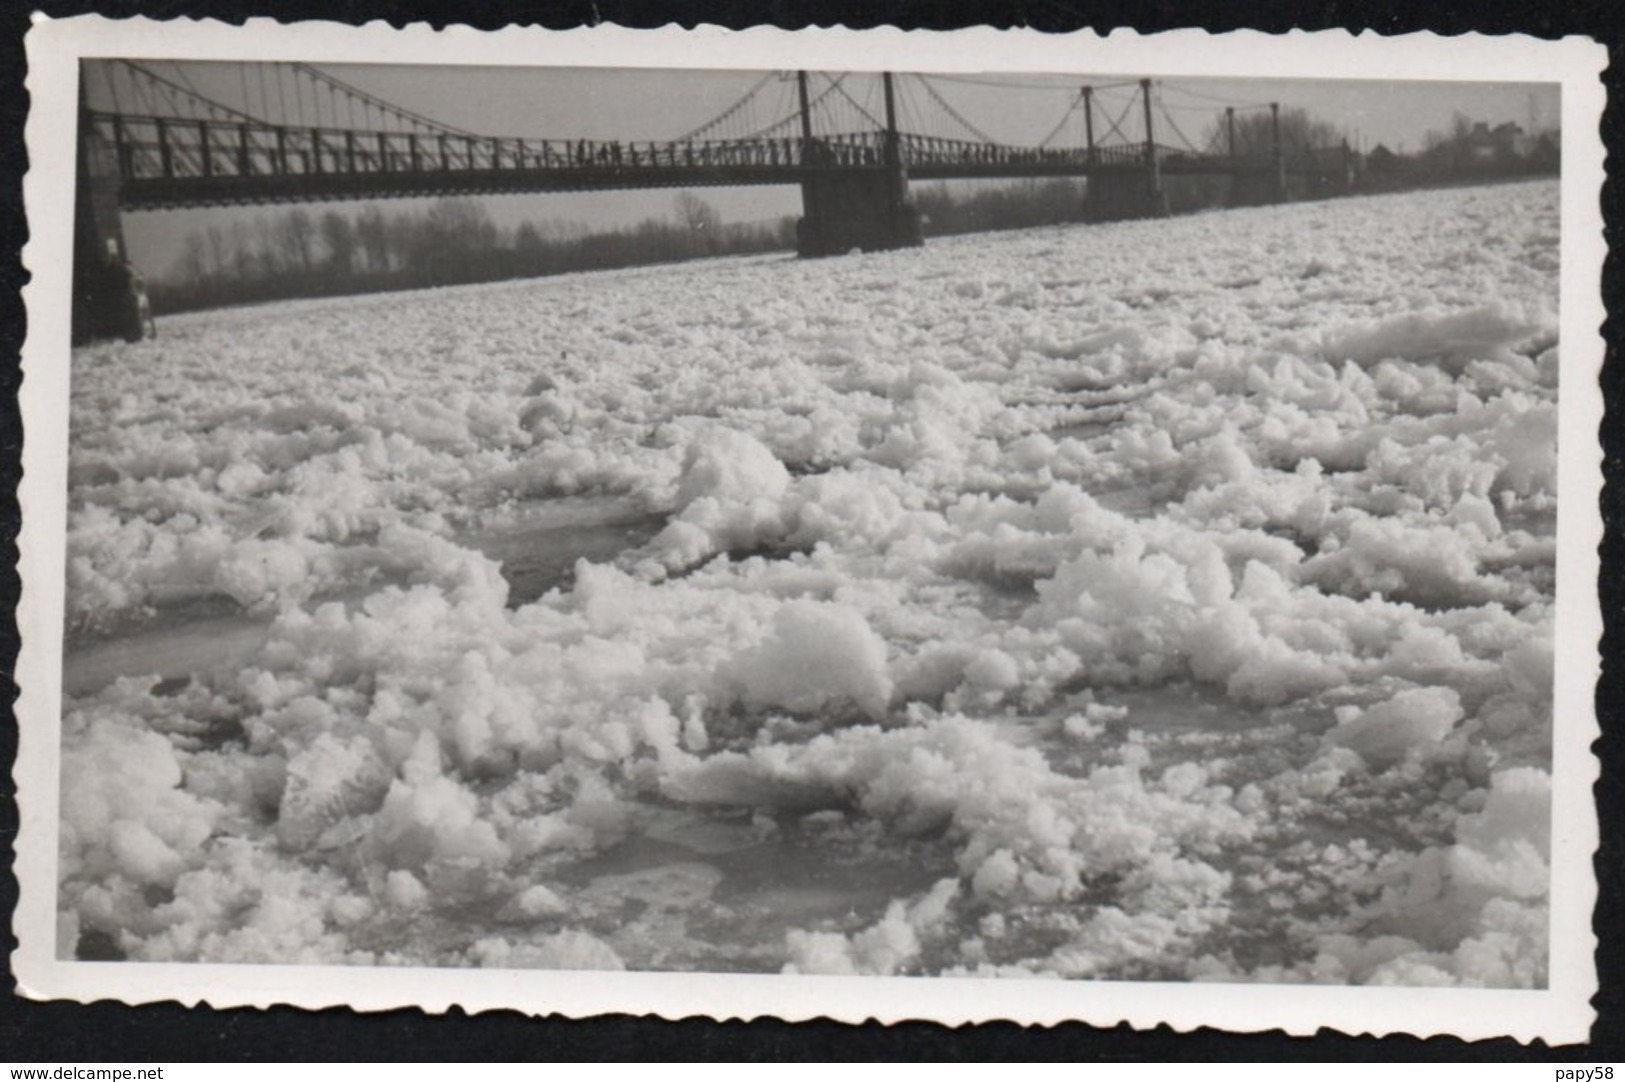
166 1032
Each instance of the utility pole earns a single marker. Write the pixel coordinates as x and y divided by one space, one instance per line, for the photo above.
1089 122
1230 131
1150 140
892 155
1275 140
806 115
1153 176
810 238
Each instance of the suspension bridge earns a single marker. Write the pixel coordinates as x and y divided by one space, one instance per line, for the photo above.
153 138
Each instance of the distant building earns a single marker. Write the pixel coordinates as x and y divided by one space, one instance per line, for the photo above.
1503 143
1472 150
1547 151
1381 160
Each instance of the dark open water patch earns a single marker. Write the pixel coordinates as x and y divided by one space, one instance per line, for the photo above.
539 543
737 886
171 651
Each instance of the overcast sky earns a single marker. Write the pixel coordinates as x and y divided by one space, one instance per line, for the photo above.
643 105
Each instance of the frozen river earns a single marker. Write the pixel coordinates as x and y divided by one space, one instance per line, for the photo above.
1157 600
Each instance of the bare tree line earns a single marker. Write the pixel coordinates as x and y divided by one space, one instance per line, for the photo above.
1252 134
1469 151
1022 205
300 253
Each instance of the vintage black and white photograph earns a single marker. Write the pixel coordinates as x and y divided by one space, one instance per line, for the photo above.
891 522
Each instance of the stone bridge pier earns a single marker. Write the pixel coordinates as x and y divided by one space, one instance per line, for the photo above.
1112 197
1258 187
867 209
845 207
103 298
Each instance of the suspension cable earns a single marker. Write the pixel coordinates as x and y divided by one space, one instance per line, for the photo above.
727 114
387 108
861 110
1174 127
971 80
1238 104
812 104
1060 125
180 73
951 111
1113 126
159 80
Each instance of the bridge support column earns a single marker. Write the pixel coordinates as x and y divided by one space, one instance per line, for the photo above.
854 206
866 208
1257 187
1277 155
104 299
1131 193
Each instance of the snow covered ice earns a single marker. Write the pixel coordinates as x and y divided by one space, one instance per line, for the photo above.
1156 600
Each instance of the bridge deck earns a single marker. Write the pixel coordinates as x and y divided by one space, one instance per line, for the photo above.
159 193
169 163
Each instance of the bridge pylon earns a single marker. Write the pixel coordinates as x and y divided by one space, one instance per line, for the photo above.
1263 185
1131 193
844 207
864 205
107 301
1114 197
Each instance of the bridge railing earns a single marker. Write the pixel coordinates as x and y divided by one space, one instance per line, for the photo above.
921 150
168 148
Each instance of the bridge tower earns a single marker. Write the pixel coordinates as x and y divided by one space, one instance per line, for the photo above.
1255 185
1133 192
104 300
851 198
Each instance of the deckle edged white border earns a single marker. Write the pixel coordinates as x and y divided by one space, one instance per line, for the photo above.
1559 1014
